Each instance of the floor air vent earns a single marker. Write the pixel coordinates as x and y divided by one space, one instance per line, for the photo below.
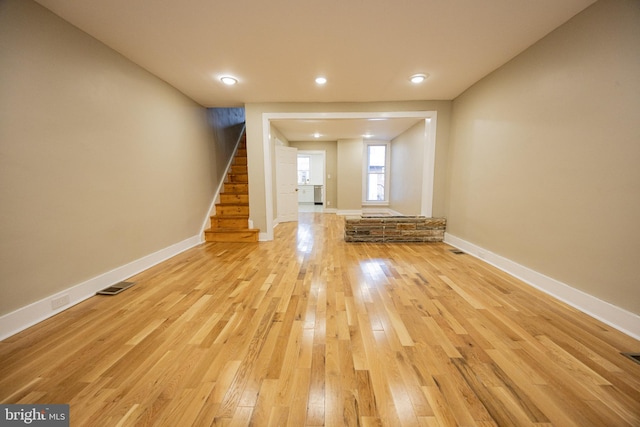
457 251
116 289
633 356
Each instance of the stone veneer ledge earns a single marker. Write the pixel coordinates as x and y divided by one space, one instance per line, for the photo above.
394 229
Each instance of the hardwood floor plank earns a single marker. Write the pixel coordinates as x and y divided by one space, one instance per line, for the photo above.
333 397
286 379
443 411
260 369
316 401
236 388
308 330
298 406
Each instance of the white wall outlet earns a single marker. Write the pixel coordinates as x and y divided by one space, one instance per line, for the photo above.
60 301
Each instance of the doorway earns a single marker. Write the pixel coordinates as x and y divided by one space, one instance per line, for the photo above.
429 116
312 185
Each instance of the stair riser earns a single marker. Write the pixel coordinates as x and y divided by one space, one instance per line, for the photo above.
241 237
234 223
238 178
239 169
234 198
231 221
232 210
235 188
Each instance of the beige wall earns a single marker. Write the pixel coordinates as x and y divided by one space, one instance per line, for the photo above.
545 153
101 163
407 159
255 151
331 159
349 174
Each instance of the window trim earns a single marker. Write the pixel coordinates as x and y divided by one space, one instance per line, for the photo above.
365 173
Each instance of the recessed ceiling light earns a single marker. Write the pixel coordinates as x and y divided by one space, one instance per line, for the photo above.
418 78
367 135
228 80
321 80
316 135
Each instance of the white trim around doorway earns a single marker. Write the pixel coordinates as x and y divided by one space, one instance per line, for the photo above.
429 152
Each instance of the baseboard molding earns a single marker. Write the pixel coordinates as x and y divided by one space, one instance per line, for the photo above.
614 316
264 237
27 316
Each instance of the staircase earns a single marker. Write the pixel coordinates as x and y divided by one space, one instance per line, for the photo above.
231 221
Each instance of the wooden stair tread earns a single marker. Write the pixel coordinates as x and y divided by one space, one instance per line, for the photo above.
231 220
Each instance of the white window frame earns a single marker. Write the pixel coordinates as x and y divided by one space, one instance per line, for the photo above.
308 170
365 173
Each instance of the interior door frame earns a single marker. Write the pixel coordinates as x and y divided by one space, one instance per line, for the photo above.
430 118
322 153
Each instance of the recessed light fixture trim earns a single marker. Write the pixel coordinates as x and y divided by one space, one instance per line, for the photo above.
316 135
321 80
418 78
228 80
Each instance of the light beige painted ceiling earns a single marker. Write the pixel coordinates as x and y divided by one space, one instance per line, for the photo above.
333 129
366 49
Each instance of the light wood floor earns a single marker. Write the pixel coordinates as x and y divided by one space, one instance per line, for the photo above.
309 331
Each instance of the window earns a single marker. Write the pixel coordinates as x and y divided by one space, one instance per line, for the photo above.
376 172
304 163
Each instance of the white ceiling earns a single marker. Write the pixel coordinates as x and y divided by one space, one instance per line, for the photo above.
367 49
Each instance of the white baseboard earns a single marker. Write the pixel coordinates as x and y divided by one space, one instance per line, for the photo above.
27 316
614 316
